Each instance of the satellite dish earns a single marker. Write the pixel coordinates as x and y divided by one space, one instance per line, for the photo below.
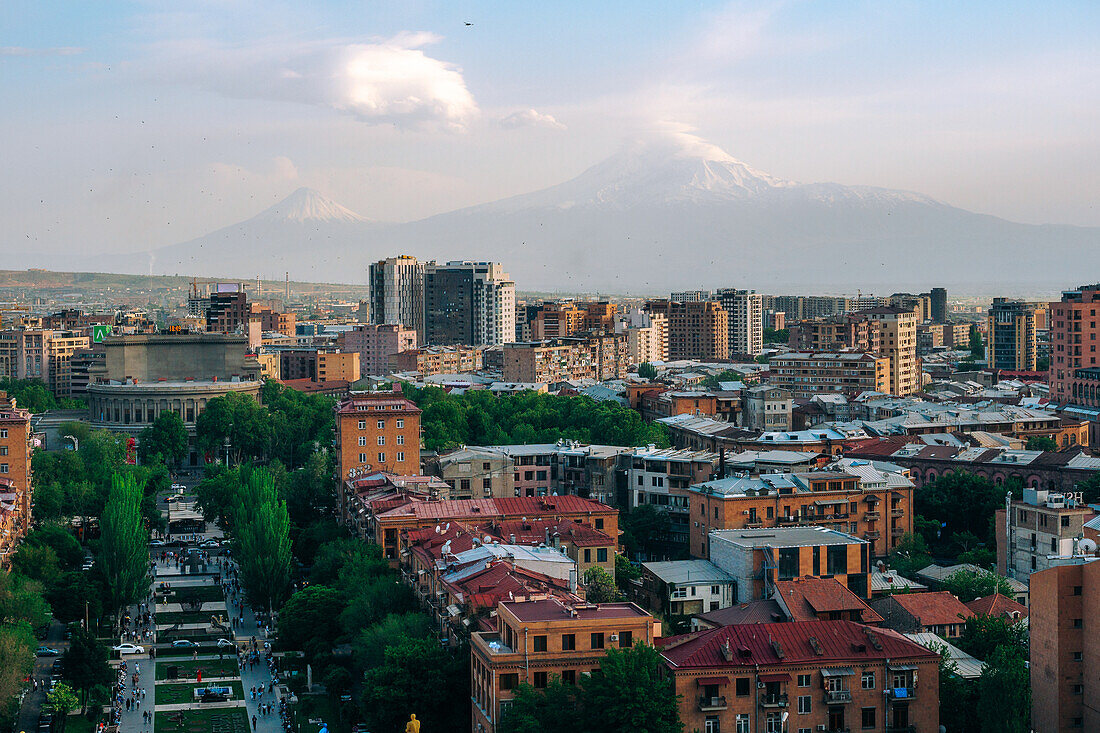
487 539
1087 546
437 530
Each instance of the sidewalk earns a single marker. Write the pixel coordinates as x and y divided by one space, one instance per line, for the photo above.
258 676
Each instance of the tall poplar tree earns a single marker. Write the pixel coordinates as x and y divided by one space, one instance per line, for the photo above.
261 529
124 545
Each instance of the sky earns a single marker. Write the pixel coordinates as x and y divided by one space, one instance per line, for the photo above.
132 125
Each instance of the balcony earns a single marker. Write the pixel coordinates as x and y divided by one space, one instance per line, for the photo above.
752 523
707 704
897 532
871 516
897 512
773 701
908 694
836 697
795 519
872 535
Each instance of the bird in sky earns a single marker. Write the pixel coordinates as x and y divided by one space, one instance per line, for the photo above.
469 24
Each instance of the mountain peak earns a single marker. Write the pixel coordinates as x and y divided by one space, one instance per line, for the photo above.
308 205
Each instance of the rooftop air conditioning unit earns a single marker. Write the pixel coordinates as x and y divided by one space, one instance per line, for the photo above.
614 637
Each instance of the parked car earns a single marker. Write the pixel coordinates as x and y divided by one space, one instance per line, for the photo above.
178 487
211 544
184 643
222 643
129 649
156 543
45 651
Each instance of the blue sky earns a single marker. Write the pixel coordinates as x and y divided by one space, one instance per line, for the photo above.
129 125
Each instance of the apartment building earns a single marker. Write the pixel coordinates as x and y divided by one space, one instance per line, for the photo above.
591 356
565 318
685 587
318 365
898 327
1011 335
397 294
16 447
1040 528
803 676
696 330
841 332
936 612
766 407
807 307
537 639
938 304
275 321
1074 370
468 303
661 477
227 308
930 336
43 354
866 499
809 373
377 345
646 336
432 360
1065 607
377 431
745 320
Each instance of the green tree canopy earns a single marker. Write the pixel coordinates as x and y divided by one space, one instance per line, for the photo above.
311 616
166 438
261 534
555 709
420 677
910 555
1004 692
969 585
983 635
628 693
86 664
642 529
964 502
599 586
124 545
647 371
370 645
1041 442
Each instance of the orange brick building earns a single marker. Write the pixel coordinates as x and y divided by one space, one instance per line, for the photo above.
15 476
876 505
542 638
803 675
377 431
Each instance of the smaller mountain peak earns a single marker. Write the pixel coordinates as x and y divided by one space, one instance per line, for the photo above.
307 204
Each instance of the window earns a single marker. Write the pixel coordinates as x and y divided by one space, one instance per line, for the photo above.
1078 656
539 643
3 468
362 424
400 457
1076 590
3 450
836 557
715 590
401 440
868 717
539 680
867 680
601 554
599 524
400 422
362 440
381 440
1078 689
804 704
381 457
710 725
803 680
742 686
587 555
788 563
1077 623
568 642
509 681
569 676
381 424
742 723
597 641
626 639
362 457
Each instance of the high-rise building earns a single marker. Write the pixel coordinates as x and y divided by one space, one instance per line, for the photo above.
1033 532
939 304
377 344
696 330
646 336
397 293
1065 606
1074 371
471 303
691 296
228 308
809 373
15 476
898 329
1011 335
746 320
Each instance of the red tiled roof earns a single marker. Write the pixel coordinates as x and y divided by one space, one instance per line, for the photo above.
807 598
999 606
879 447
933 609
753 612
512 506
759 644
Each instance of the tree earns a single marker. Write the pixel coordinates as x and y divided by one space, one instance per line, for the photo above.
777 336
85 663
628 693
599 586
983 635
968 585
1041 442
647 371
642 529
62 699
958 696
332 556
910 555
124 545
36 562
942 500
261 532
625 571
977 349
69 553
17 645
369 647
714 381
1090 489
75 595
417 676
555 709
372 600
311 615
1004 692
167 438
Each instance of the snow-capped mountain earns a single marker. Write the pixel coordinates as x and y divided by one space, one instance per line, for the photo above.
676 213
306 205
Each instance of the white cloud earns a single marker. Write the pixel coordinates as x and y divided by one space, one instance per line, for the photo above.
530 118
56 51
385 81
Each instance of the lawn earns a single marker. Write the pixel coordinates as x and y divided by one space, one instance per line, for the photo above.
184 693
210 668
218 720
187 651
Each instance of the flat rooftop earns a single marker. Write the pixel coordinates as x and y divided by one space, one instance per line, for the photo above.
553 610
786 537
